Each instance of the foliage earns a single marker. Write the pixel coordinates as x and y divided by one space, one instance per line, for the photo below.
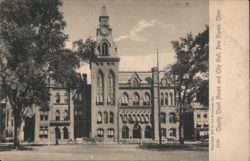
32 48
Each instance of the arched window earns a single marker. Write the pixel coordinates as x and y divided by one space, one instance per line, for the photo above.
162 99
163 132
148 132
99 118
146 118
100 88
105 48
100 132
65 133
57 115
124 99
163 117
136 99
125 132
57 133
66 97
172 132
172 118
171 99
111 117
166 98
137 131
111 88
105 117
130 119
146 99
135 83
66 115
138 118
142 119
57 97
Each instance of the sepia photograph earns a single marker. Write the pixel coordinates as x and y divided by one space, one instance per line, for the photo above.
106 80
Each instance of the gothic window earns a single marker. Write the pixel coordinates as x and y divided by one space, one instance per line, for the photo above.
163 117
66 97
163 132
100 88
57 115
43 115
105 117
111 88
172 118
104 48
146 99
57 97
146 118
125 132
166 98
162 99
171 99
99 118
172 132
124 99
135 82
111 117
66 115
136 99
148 132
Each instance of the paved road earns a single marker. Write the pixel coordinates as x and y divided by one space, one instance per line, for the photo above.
100 152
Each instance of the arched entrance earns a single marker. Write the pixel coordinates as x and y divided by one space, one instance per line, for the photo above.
137 131
65 133
148 132
125 132
57 133
29 128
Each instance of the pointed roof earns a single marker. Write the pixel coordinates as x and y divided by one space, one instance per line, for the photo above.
104 12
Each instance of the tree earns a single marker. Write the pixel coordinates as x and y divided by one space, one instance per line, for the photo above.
190 72
33 48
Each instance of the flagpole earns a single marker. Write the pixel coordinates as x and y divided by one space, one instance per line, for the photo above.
159 106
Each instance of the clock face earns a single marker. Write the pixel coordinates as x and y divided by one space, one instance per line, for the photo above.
104 30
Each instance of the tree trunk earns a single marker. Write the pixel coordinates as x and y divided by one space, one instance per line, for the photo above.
17 131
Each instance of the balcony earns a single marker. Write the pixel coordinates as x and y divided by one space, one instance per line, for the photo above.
60 122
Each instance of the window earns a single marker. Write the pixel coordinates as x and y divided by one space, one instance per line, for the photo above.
205 115
79 97
100 132
205 124
146 99
163 117
105 117
135 83
110 132
171 99
146 118
99 118
172 118
124 99
166 98
57 115
125 132
138 118
66 98
136 99
66 115
163 132
172 132
111 117
100 88
111 88
148 132
198 124
162 99
43 115
104 48
57 97
198 116
43 132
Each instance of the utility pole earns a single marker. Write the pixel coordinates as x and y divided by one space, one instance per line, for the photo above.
159 105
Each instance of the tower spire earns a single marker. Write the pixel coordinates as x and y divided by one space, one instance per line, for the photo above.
104 12
103 18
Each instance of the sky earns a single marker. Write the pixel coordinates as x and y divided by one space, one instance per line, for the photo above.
139 27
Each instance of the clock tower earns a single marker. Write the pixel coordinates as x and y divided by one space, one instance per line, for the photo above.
104 83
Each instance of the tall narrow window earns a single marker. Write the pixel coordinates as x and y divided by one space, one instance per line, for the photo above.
166 98
66 97
171 99
111 88
163 117
104 48
124 99
162 99
99 118
111 117
146 99
136 99
57 115
100 88
105 117
57 97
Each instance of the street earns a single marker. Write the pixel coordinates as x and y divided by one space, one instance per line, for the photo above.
100 152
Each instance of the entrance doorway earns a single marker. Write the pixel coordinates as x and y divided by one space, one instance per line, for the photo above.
29 128
137 131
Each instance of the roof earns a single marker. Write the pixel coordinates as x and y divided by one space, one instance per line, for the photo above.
125 76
